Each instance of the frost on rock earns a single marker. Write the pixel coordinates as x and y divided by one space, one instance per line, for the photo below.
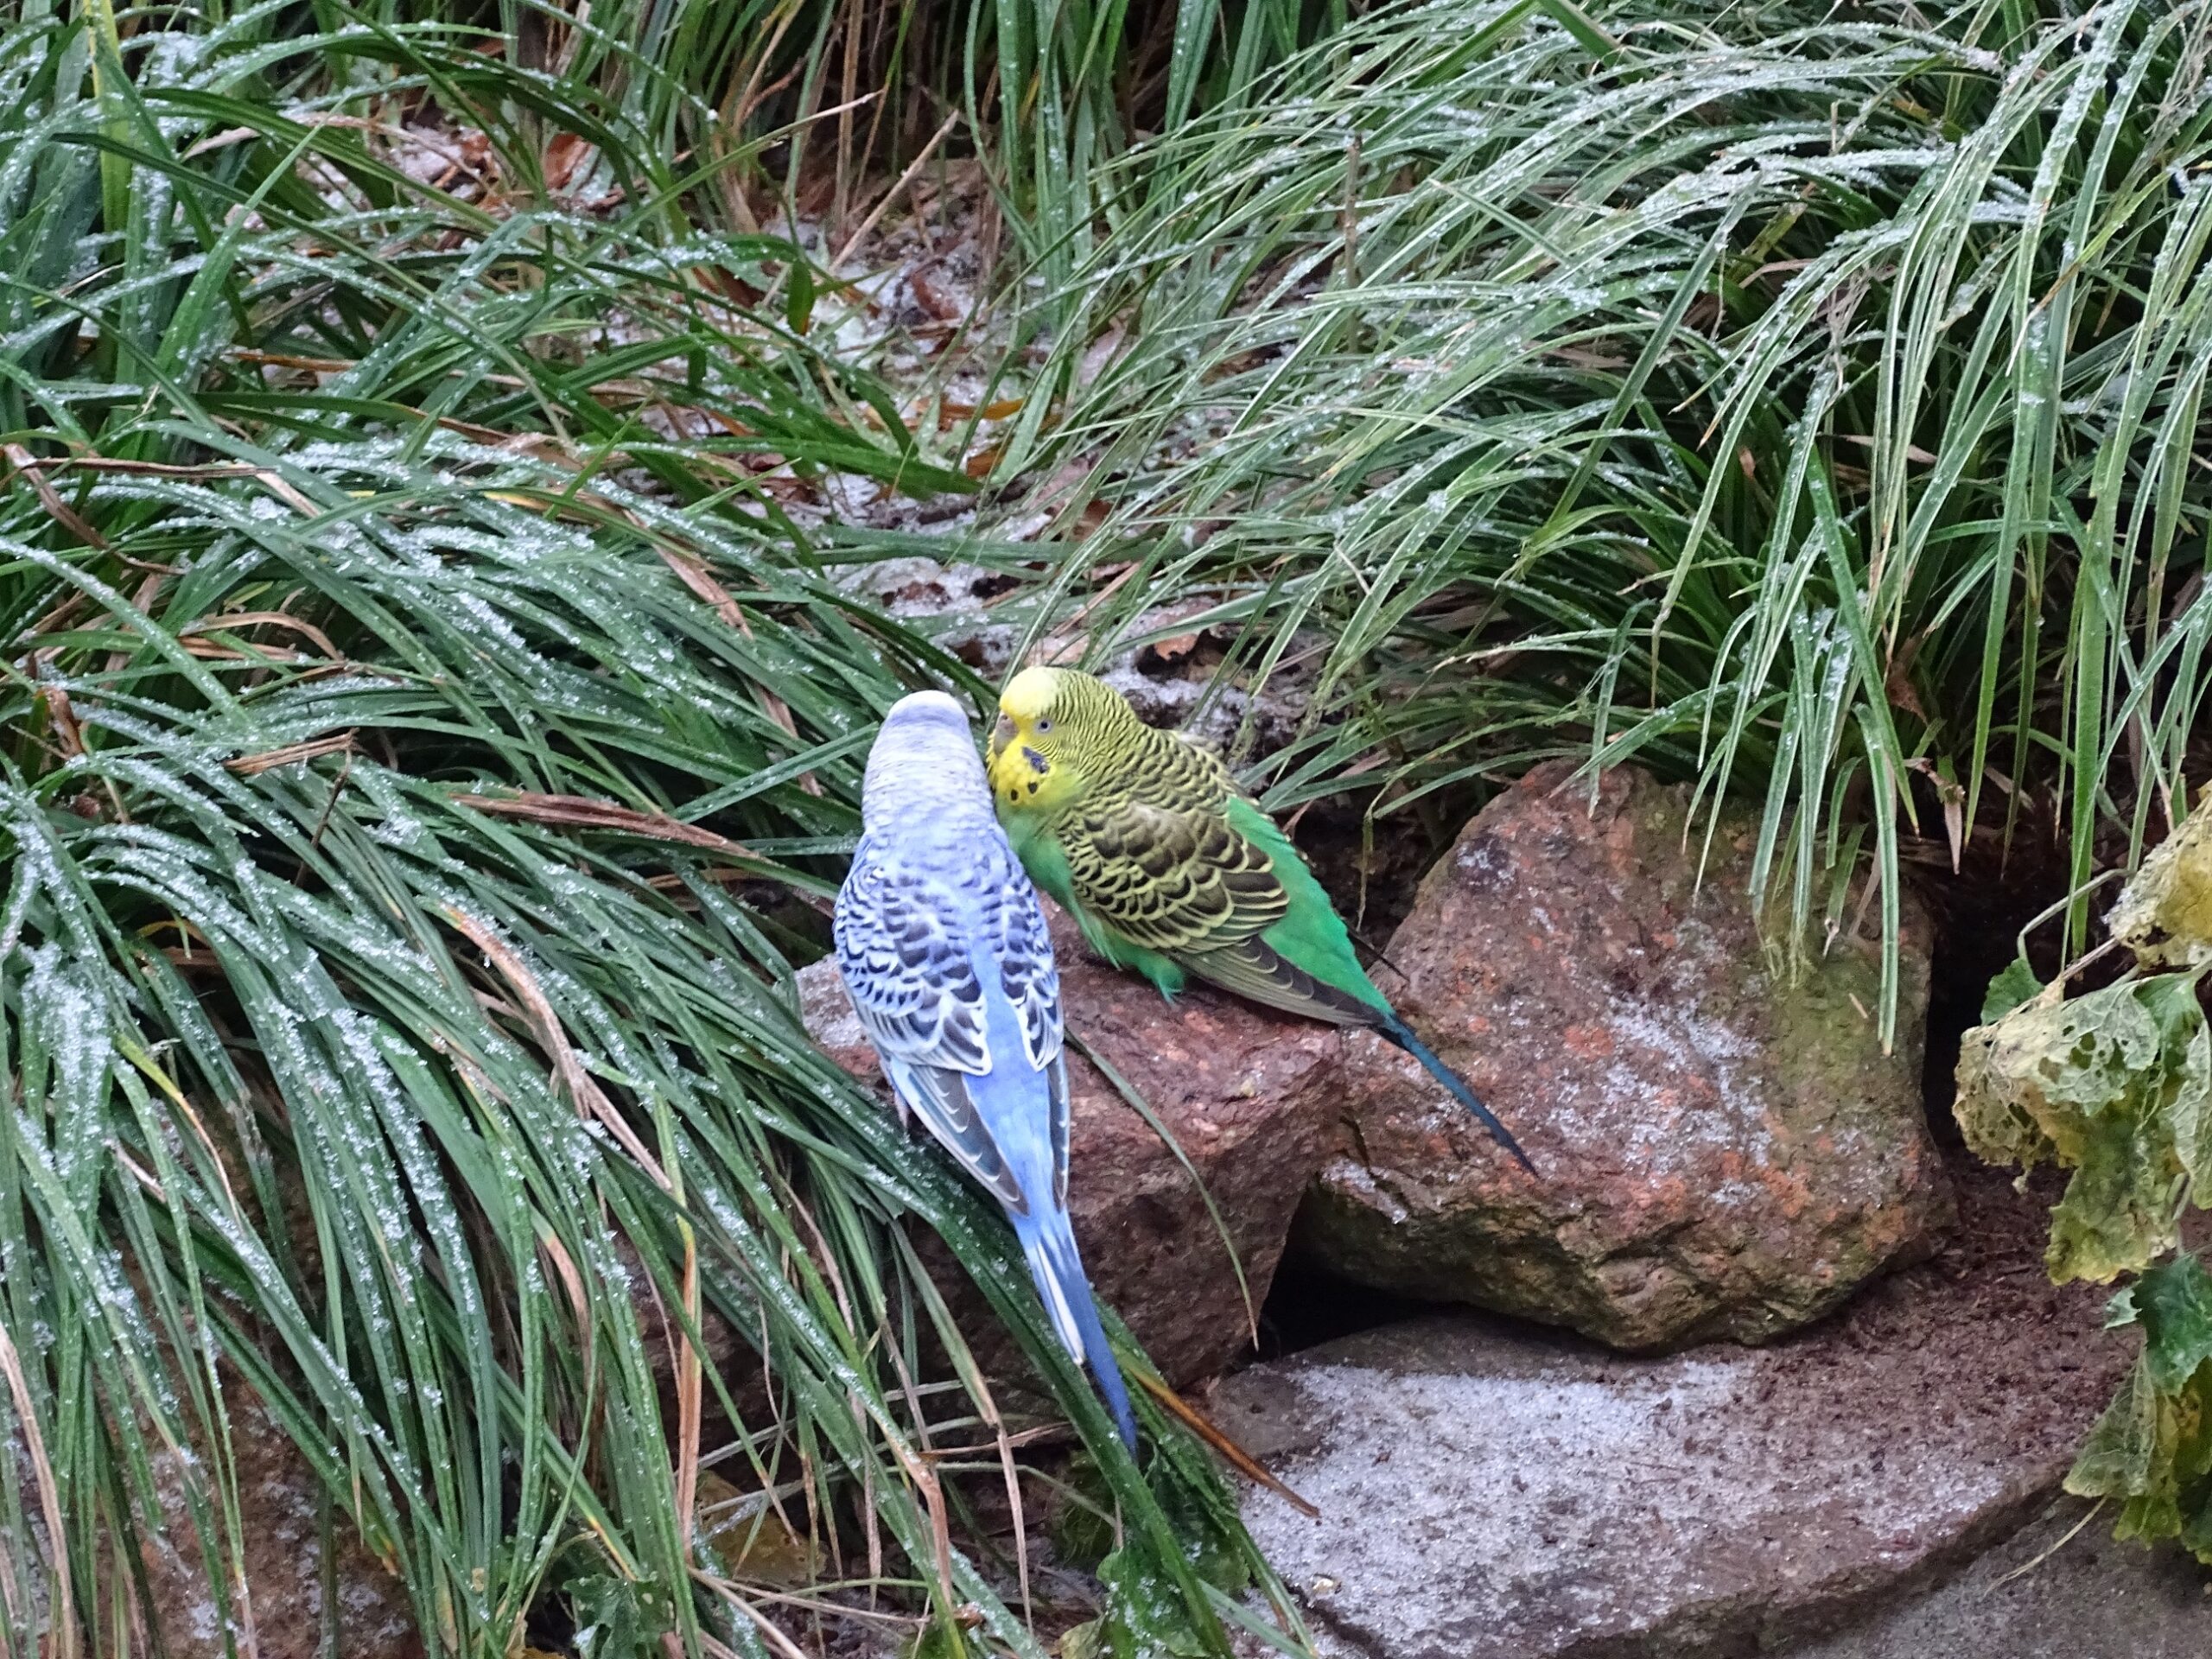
1491 1491
947 604
280 1543
1723 1151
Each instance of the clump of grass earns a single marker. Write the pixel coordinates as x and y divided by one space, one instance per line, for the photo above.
799 101
424 733
1805 402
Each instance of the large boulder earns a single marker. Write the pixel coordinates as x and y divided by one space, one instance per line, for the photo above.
1726 1150
1491 1491
1248 1097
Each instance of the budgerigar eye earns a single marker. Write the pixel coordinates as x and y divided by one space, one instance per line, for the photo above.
1043 725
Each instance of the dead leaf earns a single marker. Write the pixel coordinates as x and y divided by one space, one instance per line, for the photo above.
730 286
755 1541
1000 410
564 156
937 301
2164 912
1166 653
1097 356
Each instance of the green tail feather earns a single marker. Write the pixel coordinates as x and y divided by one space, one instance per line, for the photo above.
1313 940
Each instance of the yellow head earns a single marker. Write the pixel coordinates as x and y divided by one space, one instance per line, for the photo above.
1055 727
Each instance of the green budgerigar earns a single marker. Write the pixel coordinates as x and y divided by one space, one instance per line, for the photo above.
1172 872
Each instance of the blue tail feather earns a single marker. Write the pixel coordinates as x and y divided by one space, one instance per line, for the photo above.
1398 1033
1049 1242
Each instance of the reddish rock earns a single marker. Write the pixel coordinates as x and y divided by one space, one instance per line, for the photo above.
1248 1096
280 1534
1724 1153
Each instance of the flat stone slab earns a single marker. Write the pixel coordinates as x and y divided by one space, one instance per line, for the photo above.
2045 1595
1491 1490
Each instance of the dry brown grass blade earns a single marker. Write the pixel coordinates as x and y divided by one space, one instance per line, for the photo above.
26 465
1065 639
249 766
769 1632
145 468
60 1603
37 467
695 576
913 168
986 1408
582 812
933 1492
689 1392
589 1100
564 1268
1238 1459
235 620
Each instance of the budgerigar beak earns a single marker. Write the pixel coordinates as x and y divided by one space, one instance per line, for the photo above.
1002 734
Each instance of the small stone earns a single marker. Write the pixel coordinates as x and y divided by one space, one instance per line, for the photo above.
1722 1153
1247 1094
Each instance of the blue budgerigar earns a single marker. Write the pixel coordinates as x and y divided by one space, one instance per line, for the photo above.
944 950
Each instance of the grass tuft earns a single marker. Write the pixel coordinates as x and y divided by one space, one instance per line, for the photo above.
1805 404
427 738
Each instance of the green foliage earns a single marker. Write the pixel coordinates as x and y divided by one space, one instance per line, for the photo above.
2116 1084
2013 986
2166 915
2153 1449
773 99
1805 407
423 741
616 1616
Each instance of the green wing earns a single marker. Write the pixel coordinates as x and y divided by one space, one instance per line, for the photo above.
1046 861
1177 867
1302 963
1305 964
1171 879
